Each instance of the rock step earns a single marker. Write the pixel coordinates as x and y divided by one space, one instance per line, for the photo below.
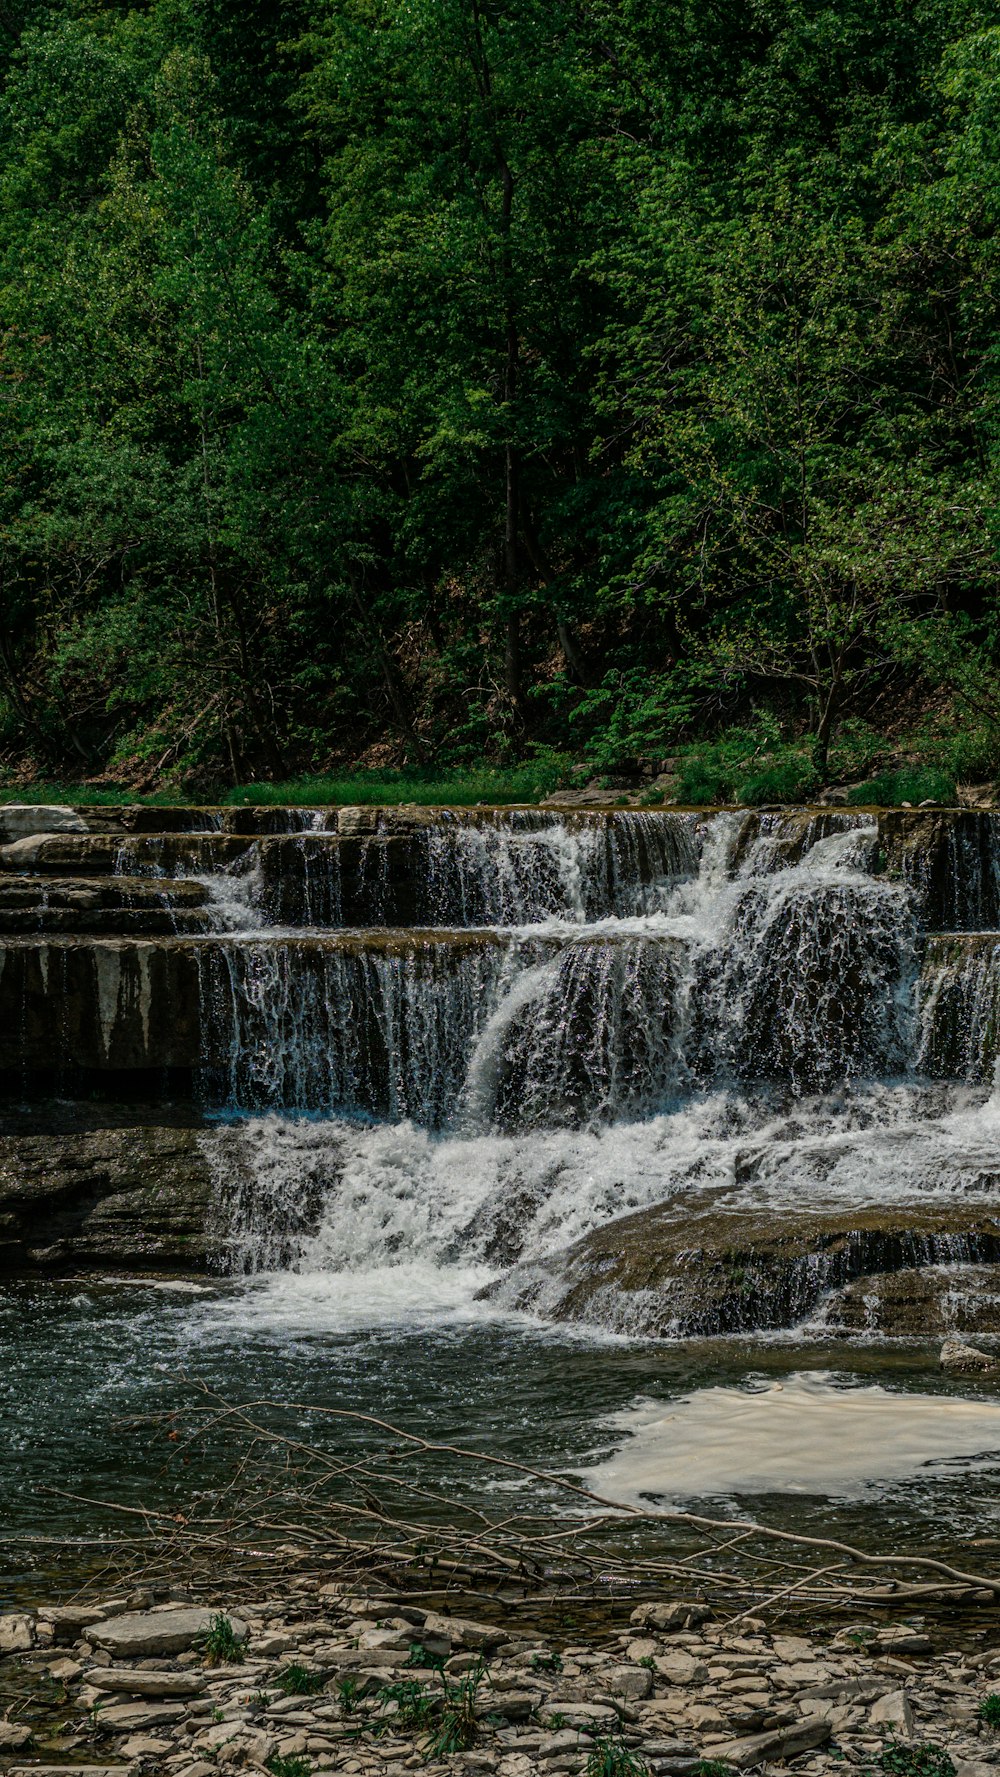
677 1271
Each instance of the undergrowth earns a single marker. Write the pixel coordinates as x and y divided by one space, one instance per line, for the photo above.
912 783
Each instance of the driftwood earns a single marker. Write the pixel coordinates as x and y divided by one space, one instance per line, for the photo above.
380 1510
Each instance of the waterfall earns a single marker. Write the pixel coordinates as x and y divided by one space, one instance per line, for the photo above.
442 1044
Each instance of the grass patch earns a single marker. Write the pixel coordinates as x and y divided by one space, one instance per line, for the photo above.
459 787
86 796
612 1758
913 784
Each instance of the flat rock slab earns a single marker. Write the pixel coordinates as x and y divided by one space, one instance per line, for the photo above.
134 1717
20 820
776 1744
136 1683
156 1632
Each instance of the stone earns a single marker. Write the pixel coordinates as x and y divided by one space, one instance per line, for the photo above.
573 1714
669 1616
21 820
749 1270
633 1682
14 1736
681 1669
17 1634
796 1678
893 1711
513 1705
777 1744
68 1621
460 1632
139 1683
113 1196
961 1359
645 1648
64 1671
144 1746
158 1632
903 1641
134 1717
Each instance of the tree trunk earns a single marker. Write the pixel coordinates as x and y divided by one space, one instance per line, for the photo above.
395 692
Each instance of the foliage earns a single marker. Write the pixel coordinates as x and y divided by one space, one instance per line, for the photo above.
899 1759
989 1710
415 1706
299 1681
612 1758
434 385
349 1692
911 784
221 1645
288 1767
457 1727
745 765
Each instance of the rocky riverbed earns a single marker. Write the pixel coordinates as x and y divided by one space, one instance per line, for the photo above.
326 1680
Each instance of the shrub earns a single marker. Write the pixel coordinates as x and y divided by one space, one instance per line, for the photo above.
288 1767
989 1710
414 1706
221 1645
928 1760
297 1681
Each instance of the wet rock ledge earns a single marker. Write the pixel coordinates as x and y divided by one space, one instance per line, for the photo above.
332 1679
682 1270
137 1197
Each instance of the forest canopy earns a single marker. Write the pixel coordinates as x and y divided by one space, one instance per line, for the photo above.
446 381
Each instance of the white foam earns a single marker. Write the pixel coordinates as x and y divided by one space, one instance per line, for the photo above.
807 1433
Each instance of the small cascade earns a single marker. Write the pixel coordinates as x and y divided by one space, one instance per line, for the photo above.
534 865
323 1026
960 1007
594 1035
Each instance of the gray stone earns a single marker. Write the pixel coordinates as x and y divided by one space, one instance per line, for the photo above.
681 1669
573 1714
21 820
17 1634
893 1711
14 1736
460 1632
668 1616
961 1359
774 1744
137 1683
158 1632
634 1682
135 1717
512 1705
